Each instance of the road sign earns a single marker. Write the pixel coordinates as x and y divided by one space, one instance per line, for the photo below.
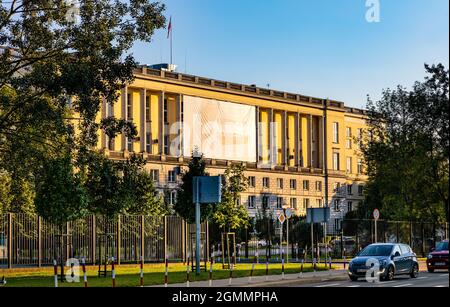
288 213
209 190
318 215
282 218
376 214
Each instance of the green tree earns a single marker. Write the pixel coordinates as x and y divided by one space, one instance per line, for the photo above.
184 205
230 214
406 151
51 62
60 195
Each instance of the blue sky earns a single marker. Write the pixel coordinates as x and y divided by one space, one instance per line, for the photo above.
322 48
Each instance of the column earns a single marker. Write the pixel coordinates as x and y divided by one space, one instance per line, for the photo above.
143 128
284 144
104 138
124 114
180 123
310 142
258 137
272 144
298 145
161 123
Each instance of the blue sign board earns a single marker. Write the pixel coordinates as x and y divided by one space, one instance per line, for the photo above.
207 190
318 215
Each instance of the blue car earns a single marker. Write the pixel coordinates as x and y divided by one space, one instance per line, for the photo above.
392 259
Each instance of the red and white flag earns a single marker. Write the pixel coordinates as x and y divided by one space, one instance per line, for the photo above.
169 29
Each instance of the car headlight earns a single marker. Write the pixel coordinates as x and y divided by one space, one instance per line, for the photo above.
430 256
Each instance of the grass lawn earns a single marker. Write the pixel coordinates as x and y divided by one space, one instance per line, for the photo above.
128 275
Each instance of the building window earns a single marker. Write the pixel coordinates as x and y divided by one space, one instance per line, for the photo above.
251 202
129 144
349 206
293 184
349 132
337 188
360 190
337 225
265 202
305 185
348 144
336 166
360 166
147 110
266 182
154 174
251 182
319 186
350 189
349 165
319 203
336 205
279 202
148 143
238 201
172 197
336 133
172 177
293 203
130 107
111 144
280 183
166 144
165 111
305 203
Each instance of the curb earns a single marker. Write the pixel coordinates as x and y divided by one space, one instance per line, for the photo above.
298 281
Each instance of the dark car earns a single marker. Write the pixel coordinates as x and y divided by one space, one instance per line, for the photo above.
438 258
393 259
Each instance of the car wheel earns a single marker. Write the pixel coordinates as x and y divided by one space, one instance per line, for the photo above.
390 274
353 278
415 271
430 271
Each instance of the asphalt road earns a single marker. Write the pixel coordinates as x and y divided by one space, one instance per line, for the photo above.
437 279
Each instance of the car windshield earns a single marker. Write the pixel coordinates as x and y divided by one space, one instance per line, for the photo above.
377 250
442 246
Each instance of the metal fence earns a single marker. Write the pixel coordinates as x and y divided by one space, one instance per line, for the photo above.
421 236
28 240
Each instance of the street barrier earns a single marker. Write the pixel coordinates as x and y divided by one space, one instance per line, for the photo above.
55 270
83 263
113 272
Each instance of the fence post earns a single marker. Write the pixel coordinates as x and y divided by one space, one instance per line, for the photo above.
94 239
39 241
10 236
68 243
183 240
207 243
119 239
165 237
143 238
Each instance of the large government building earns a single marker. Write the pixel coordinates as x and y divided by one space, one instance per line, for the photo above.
299 151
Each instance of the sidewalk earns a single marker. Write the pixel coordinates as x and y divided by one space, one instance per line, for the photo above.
263 281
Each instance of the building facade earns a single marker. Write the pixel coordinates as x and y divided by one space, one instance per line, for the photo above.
299 151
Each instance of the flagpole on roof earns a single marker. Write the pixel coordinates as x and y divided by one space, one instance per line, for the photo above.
171 40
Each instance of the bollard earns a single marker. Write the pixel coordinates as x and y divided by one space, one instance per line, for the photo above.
187 273
282 264
301 269
166 273
55 270
315 262
83 262
345 262
113 273
267 268
141 273
211 270
253 268
231 270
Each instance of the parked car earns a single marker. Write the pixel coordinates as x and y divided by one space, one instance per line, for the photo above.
394 259
438 258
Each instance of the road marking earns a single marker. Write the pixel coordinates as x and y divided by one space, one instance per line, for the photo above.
357 286
441 286
443 275
423 278
404 285
331 285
